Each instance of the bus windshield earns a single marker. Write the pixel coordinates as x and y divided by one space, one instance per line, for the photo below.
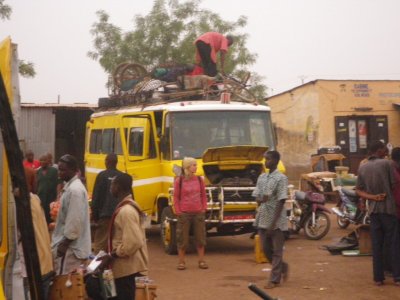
194 132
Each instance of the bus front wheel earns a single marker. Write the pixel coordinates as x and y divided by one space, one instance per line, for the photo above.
168 231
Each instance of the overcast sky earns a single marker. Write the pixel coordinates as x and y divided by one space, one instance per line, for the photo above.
296 40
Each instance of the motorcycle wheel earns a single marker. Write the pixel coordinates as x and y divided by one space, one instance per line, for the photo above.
342 221
321 227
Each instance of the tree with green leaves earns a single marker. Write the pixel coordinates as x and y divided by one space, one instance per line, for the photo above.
167 34
5 11
26 69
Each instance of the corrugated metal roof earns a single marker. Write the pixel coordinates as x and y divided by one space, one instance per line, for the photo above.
61 106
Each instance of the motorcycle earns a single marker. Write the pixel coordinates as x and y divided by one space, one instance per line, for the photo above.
347 210
307 211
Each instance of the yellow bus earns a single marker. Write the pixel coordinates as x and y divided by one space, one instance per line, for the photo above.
13 211
227 139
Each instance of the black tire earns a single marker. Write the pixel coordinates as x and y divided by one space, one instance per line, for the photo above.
168 231
321 228
342 221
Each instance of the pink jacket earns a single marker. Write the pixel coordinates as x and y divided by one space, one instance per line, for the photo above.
189 195
217 42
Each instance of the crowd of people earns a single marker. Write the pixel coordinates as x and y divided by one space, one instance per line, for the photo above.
64 223
117 218
118 221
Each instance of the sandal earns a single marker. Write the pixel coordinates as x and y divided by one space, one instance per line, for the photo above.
203 265
181 266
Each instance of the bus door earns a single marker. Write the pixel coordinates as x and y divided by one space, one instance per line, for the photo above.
100 142
142 161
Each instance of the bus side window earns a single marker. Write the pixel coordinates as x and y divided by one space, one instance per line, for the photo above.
107 143
135 147
95 141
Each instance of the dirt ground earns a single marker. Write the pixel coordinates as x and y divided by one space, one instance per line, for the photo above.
314 273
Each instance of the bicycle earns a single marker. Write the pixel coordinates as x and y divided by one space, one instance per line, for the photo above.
237 89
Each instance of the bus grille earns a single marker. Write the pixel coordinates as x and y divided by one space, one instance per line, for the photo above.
232 194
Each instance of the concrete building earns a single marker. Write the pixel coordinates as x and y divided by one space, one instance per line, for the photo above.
324 113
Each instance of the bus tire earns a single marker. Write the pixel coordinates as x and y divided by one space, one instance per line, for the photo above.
168 231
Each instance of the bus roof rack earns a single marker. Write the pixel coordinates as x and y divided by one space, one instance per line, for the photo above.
134 85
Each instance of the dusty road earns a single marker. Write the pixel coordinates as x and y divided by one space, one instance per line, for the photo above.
314 273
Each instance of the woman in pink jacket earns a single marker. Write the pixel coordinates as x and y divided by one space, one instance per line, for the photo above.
190 203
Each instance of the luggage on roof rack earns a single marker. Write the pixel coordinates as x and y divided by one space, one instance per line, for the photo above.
134 85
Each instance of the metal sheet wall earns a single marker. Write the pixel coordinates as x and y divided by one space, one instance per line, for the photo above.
37 130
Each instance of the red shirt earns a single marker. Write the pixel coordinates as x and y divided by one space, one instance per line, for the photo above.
190 195
30 175
34 165
217 42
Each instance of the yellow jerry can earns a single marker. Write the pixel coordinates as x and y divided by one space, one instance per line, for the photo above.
258 251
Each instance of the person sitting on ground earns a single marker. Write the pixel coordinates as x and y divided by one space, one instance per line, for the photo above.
190 203
207 47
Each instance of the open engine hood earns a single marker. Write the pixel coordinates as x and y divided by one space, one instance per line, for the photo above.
233 165
234 153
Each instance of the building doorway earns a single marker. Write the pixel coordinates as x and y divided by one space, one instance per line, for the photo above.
355 133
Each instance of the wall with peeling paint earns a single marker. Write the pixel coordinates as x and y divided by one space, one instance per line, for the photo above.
304 117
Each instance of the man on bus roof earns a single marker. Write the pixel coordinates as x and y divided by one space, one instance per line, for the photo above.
207 47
